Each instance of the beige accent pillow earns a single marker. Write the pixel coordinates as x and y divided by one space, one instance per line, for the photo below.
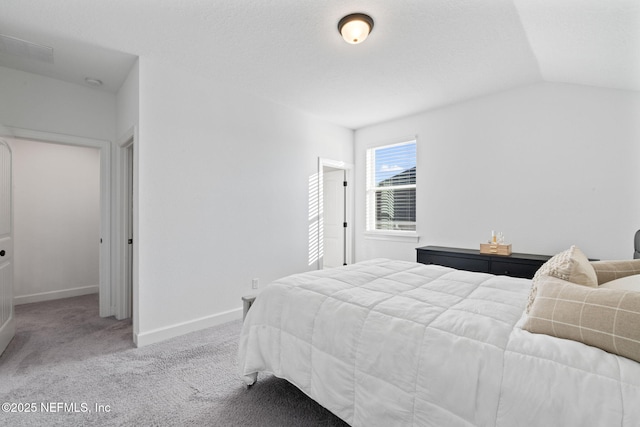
570 265
603 318
629 283
615 269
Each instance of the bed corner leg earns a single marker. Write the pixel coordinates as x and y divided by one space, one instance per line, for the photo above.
250 380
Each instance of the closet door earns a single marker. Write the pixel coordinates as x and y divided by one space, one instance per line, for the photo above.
7 325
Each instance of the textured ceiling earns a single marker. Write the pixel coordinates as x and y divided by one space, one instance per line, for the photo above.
421 54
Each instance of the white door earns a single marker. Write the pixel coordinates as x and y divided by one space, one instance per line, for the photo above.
333 218
7 325
129 231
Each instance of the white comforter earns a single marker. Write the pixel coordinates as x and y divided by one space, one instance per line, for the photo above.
391 343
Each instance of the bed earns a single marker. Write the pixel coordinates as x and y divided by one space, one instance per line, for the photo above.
394 343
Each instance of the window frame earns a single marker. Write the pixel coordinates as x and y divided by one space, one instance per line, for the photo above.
371 189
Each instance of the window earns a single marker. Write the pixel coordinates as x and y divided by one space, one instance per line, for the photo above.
391 187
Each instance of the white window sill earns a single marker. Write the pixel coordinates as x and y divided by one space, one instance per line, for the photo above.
397 236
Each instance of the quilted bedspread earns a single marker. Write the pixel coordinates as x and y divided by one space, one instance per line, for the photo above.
393 343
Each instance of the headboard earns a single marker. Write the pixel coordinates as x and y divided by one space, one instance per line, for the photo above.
636 246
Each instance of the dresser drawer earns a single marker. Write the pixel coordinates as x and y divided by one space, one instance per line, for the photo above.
460 263
514 269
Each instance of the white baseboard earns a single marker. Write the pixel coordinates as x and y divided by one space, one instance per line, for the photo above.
47 296
161 334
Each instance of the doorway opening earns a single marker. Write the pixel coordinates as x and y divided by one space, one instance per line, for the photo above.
335 213
334 217
102 235
56 224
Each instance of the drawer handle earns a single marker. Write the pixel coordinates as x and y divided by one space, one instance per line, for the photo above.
2 252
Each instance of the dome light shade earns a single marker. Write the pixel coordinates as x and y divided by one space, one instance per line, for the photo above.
93 81
355 27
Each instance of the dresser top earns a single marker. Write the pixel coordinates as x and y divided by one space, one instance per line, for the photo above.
476 252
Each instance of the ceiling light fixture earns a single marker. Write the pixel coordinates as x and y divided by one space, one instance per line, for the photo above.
93 82
355 27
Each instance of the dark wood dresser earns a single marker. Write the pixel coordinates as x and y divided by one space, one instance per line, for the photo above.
514 265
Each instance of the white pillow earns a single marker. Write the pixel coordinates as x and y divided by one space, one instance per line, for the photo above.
629 283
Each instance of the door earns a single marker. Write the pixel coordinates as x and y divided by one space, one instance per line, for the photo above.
129 231
123 297
333 217
7 325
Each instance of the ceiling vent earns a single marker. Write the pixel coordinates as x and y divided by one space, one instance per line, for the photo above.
25 49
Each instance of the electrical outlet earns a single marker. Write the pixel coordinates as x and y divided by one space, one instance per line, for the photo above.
254 283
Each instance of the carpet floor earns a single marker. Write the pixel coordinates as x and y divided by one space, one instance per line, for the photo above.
67 366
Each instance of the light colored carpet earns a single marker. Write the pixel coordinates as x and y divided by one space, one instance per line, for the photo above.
68 359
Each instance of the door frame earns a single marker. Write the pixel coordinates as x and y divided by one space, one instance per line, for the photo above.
349 204
104 147
125 292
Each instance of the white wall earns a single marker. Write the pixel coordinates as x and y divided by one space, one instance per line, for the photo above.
223 179
223 196
34 102
56 202
550 165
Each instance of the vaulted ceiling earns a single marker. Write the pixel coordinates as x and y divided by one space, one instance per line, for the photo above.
422 54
